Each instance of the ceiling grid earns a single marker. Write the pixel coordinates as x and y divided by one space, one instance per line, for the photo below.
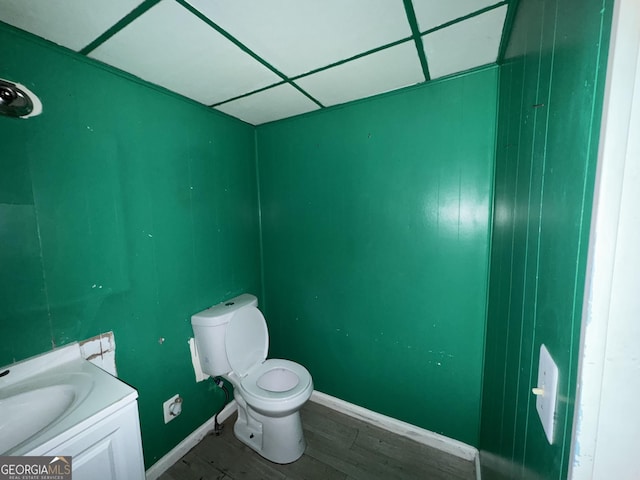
126 20
240 45
264 61
417 38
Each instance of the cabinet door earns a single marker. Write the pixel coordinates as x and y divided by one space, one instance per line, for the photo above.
97 461
108 450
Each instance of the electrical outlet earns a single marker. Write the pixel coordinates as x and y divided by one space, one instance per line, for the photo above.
172 408
546 392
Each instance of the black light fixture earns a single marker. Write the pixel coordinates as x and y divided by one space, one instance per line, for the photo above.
17 101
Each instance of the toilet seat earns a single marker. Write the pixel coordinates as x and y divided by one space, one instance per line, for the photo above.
273 386
254 388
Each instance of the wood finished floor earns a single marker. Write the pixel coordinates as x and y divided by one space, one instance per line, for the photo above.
339 447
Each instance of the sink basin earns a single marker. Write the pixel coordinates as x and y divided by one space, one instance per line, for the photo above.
53 398
30 407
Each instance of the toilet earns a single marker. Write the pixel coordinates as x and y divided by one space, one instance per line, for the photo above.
232 341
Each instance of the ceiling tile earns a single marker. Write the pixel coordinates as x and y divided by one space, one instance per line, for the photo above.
464 45
269 105
379 72
432 13
297 36
171 47
70 23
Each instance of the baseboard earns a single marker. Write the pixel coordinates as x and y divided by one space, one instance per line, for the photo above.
478 469
420 435
188 443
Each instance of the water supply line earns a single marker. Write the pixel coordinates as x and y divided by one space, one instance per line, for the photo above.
217 428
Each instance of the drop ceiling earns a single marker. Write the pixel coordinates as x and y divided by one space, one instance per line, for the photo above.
261 60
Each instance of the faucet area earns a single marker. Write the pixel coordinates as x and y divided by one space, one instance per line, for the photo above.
390 217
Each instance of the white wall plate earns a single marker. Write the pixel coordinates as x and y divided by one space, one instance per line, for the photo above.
547 392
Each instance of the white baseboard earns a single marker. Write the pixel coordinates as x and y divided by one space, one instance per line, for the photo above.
420 435
188 443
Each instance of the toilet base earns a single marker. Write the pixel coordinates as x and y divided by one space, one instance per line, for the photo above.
278 439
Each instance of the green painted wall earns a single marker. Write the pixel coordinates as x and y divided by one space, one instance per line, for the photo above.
123 208
549 116
375 228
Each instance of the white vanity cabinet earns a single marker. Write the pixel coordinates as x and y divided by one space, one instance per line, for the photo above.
108 450
83 412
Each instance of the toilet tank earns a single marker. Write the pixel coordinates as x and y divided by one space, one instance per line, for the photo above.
209 329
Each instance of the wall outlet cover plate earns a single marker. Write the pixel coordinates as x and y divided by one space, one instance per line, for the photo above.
548 383
166 408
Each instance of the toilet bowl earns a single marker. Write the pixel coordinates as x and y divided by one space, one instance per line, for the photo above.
277 387
232 341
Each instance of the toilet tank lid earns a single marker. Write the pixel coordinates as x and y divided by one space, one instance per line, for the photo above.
222 312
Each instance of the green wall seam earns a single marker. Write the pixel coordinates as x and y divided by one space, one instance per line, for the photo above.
263 298
547 106
490 246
